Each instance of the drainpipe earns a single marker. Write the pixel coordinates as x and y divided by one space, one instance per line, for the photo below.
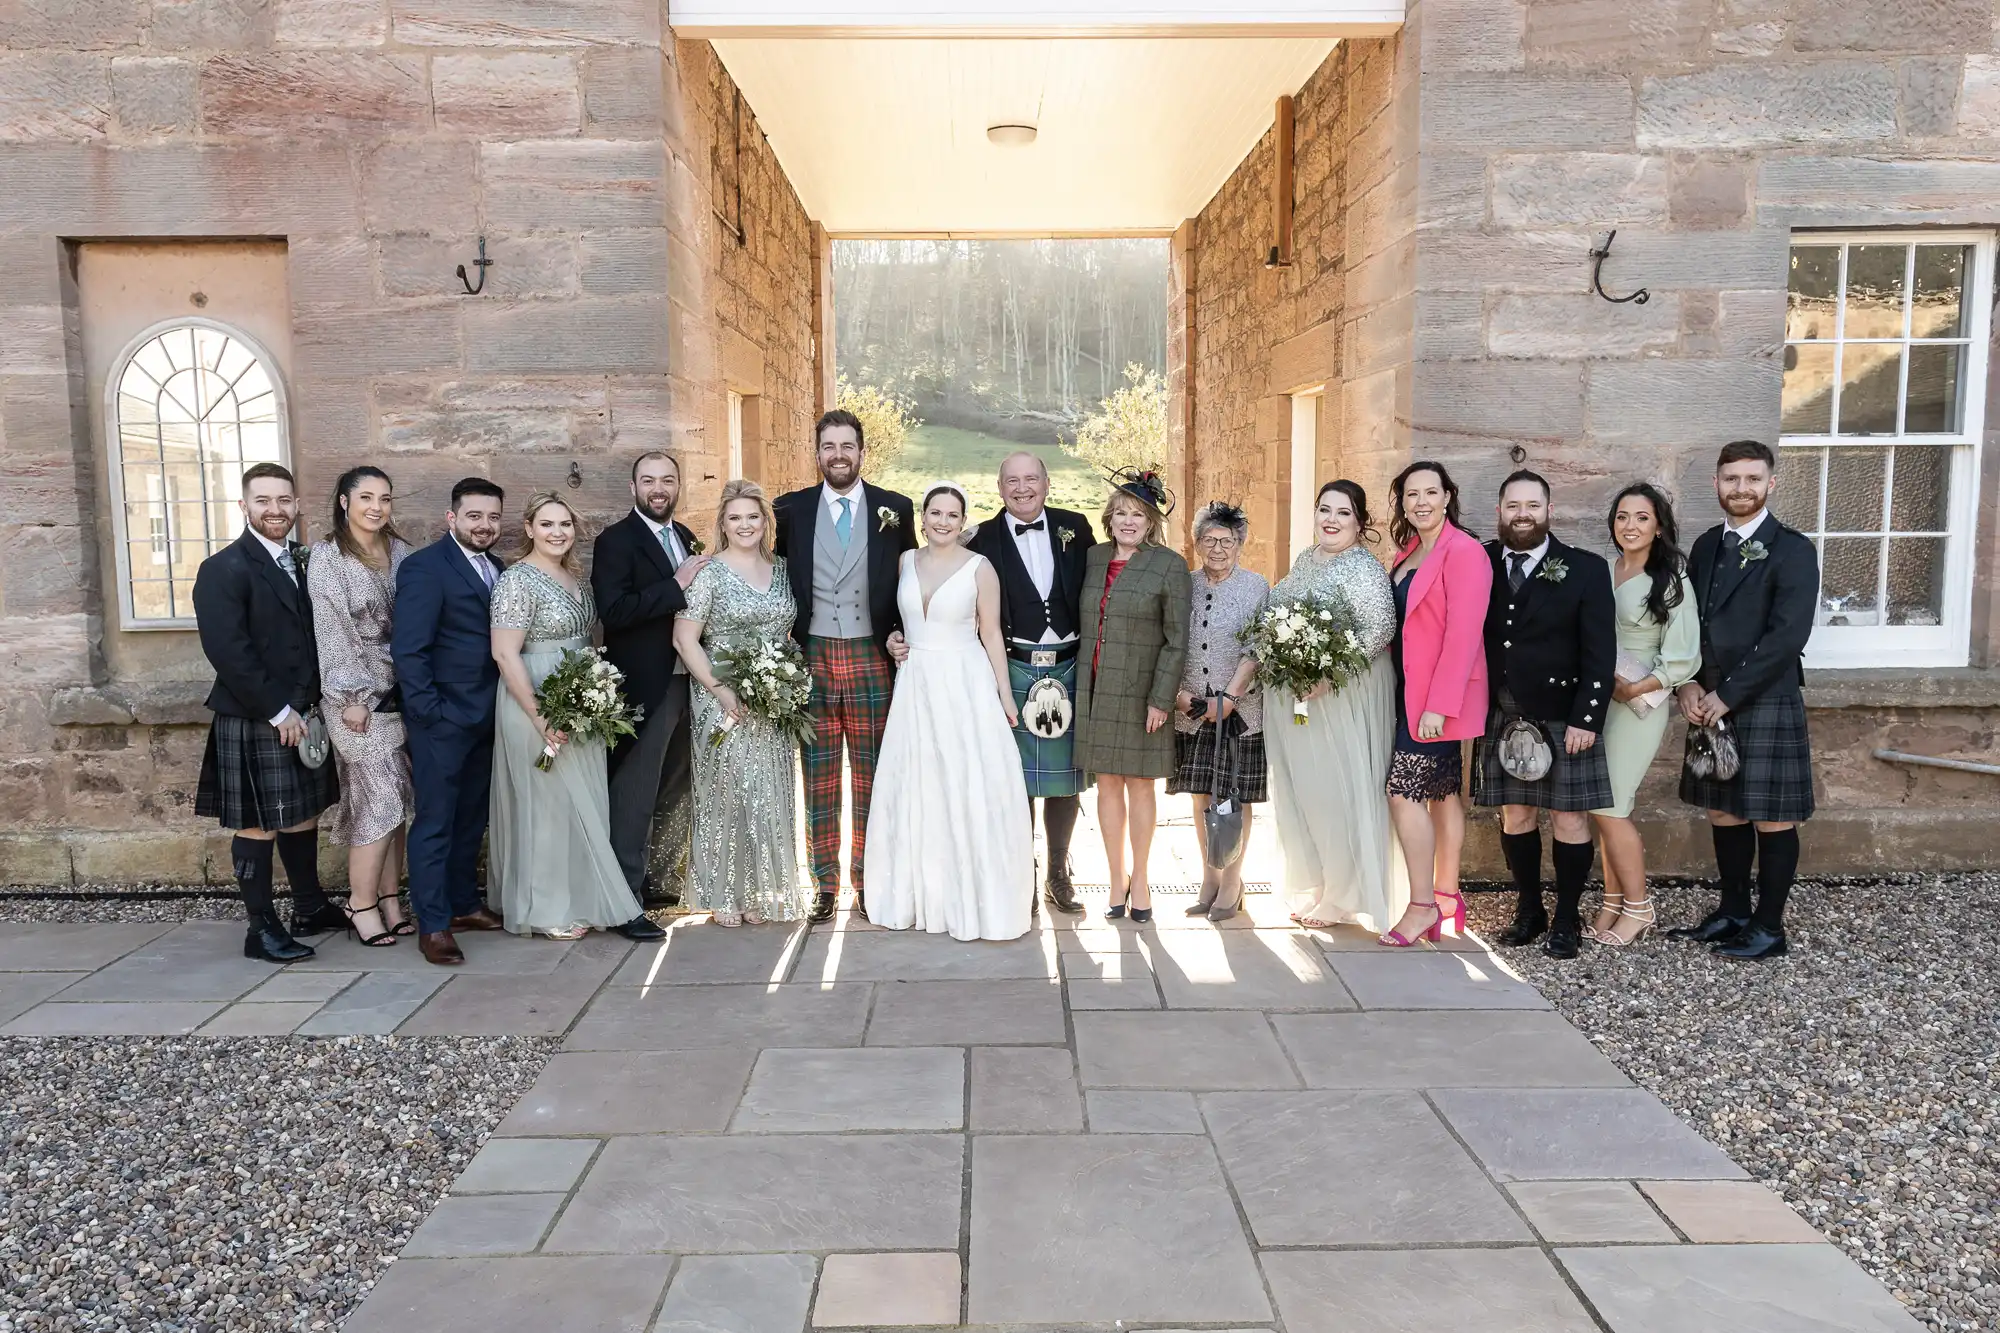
1931 761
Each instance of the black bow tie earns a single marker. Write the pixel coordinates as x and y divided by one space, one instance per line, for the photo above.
1022 529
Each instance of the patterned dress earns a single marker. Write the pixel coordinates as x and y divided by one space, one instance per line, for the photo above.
746 817
352 602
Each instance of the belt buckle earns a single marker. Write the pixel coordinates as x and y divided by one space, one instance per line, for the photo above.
1042 657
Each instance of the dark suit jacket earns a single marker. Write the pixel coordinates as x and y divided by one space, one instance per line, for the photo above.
799 512
637 599
442 639
1756 615
1554 645
256 627
1023 613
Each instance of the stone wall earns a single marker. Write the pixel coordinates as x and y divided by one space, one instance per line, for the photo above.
378 139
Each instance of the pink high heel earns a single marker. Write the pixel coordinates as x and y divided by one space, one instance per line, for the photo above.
1395 940
1457 917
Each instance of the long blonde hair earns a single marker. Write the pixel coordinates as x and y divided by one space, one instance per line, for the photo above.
743 489
540 500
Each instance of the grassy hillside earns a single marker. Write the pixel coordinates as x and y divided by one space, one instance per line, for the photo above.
972 459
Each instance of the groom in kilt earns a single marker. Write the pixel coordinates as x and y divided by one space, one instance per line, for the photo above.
1551 650
1756 582
256 626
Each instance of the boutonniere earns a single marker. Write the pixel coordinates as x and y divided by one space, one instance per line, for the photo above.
1554 570
1064 536
1750 552
695 545
887 518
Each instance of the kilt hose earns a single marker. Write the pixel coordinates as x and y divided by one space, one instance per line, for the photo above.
851 684
1773 783
1047 762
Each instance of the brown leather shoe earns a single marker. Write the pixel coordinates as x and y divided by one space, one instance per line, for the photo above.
479 918
440 948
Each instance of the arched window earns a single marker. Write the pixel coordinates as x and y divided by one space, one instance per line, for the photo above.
191 404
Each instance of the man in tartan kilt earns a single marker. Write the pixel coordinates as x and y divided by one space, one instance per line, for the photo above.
1551 650
1756 582
256 626
841 541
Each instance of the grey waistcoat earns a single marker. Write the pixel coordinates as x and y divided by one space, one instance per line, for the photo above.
840 577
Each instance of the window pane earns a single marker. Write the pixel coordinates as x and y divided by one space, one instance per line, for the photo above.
1808 393
1871 376
1849 568
1854 489
150 599
1932 406
1937 307
1916 581
1809 308
1920 499
1796 501
1875 291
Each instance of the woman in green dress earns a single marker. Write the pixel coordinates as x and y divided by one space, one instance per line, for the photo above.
1659 649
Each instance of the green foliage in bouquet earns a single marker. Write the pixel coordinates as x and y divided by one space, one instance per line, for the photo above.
1299 644
583 698
771 681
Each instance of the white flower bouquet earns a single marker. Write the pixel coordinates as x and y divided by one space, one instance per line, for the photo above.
770 680
1299 644
583 699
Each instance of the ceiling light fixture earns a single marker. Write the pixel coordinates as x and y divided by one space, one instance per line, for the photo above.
1011 136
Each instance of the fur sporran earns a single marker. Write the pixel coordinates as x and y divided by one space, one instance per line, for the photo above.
1712 752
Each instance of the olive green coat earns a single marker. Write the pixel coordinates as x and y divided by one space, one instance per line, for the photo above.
1144 646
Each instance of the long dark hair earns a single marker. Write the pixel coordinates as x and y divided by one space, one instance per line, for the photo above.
1664 562
1357 497
1400 528
343 491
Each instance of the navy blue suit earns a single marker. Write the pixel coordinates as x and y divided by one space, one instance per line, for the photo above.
442 643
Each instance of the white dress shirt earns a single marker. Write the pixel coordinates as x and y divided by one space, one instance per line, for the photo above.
1747 526
832 498
1038 555
673 542
482 563
1533 562
276 550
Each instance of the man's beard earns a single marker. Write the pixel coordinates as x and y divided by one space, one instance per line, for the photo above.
472 543
1517 540
663 515
1742 506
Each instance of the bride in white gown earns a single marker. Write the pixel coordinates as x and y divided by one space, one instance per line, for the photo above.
950 842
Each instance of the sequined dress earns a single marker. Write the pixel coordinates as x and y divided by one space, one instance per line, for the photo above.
549 841
745 802
1327 773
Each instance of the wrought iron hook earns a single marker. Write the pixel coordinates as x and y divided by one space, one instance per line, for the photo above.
1598 256
482 264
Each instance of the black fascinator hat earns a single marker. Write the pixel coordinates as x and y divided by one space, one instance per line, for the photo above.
1146 486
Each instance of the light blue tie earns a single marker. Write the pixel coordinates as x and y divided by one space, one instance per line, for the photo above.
843 526
667 545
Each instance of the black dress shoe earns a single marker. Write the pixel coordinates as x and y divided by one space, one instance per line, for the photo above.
1527 928
652 895
318 920
1716 928
269 942
1563 942
1062 895
822 909
1756 941
642 929
860 903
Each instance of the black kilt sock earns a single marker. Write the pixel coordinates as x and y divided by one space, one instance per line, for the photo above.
1524 861
251 858
1059 815
300 852
1572 873
1735 852
1777 867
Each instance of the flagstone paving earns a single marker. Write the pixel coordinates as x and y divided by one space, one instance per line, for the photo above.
776 1129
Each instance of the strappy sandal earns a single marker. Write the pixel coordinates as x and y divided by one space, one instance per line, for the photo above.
730 920
382 940
1642 912
1593 933
1394 938
1457 916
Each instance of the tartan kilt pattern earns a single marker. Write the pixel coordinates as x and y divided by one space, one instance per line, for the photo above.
1573 782
851 684
1774 780
1207 765
250 780
1048 763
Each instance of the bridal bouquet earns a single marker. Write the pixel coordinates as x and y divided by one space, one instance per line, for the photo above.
1299 644
582 698
771 681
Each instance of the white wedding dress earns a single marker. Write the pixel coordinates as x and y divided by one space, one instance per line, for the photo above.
950 842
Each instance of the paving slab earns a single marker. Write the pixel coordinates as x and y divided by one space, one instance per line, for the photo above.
483 1224
1353 1168
1444 1049
1712 1212
1103 1227
696 953
967 1013
1741 1288
75 946
1185 1050
899 956
1590 1212
487 953
375 1005
287 984
1024 1090
1349 937
1116 1112
161 1018
1270 970
1419 1291
604 1294
1413 979
500 1007
1579 1134
196 960
877 1088
680 1018
525 1166
761 1192
276 1018
607 1092
1113 993
22 991
887 1290
739 1293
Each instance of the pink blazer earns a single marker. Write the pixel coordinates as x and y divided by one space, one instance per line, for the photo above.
1444 648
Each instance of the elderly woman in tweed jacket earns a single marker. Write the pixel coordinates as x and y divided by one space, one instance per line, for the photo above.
1134 644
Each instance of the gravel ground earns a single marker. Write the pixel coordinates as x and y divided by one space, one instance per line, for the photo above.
117 905
195 1185
1859 1076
